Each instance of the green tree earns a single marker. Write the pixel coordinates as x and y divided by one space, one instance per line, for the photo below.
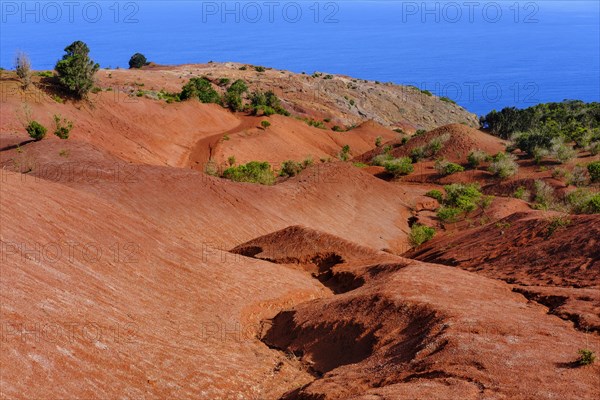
76 70
138 60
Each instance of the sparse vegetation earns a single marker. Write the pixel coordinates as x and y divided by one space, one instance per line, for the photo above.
503 165
23 69
378 141
76 70
476 158
435 194
253 172
420 234
290 168
579 176
594 171
522 193
445 167
583 201
432 148
201 89
461 199
62 126
557 223
36 130
344 153
544 195
233 96
266 103
586 357
399 166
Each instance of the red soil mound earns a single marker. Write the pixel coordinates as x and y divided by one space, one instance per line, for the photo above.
291 139
534 250
460 140
416 333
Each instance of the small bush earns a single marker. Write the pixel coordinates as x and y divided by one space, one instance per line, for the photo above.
435 194
243 68
381 159
253 172
23 68
417 154
582 201
265 124
594 171
260 69
399 166
503 166
544 195
463 197
522 193
378 141
476 158
579 177
563 152
344 153
233 96
211 168
201 89
445 167
586 357
557 223
137 60
420 132
62 126
420 234
290 168
449 214
594 148
36 130
231 161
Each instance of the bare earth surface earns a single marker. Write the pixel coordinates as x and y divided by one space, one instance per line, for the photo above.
127 272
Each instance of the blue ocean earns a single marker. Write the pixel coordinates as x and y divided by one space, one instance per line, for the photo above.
485 55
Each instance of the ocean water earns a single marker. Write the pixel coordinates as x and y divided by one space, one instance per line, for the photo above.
483 54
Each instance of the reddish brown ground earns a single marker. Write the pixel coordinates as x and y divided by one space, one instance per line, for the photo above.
128 273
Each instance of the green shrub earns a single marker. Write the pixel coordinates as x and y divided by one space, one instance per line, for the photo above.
76 70
463 197
36 130
62 126
544 195
360 165
224 81
449 214
260 69
137 60
233 96
399 166
435 194
267 102
586 357
243 68
420 234
534 142
378 141
563 152
579 177
253 172
447 100
476 158
522 193
420 132
231 161
381 159
265 124
445 167
557 223
201 89
503 165
417 154
594 171
594 148
290 168
344 153
582 201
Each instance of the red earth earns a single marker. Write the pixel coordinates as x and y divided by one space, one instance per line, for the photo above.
127 272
